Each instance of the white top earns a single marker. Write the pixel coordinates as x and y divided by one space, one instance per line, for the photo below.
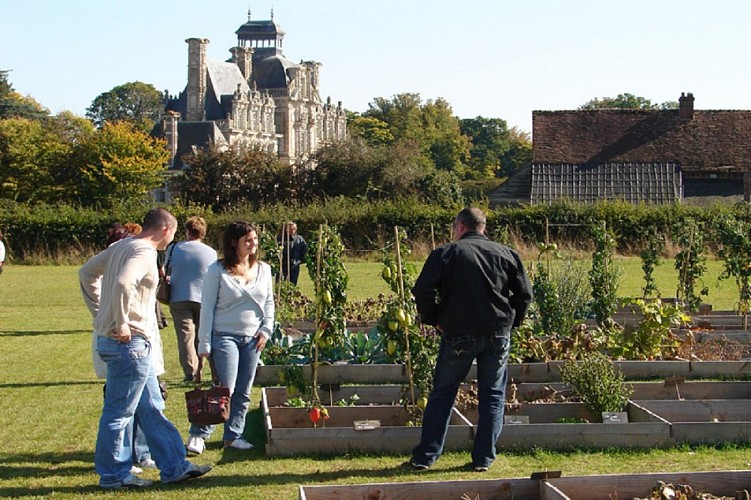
2 251
228 306
119 288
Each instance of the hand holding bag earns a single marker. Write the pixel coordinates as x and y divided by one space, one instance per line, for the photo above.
208 406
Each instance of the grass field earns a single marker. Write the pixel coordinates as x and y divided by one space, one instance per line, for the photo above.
51 403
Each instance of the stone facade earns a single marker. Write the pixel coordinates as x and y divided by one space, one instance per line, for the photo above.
255 99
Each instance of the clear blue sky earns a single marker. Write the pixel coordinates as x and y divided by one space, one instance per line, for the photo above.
495 58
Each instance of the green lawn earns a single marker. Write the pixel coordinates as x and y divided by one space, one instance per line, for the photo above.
51 404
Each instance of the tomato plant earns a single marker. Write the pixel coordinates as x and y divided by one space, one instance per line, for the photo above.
406 340
329 276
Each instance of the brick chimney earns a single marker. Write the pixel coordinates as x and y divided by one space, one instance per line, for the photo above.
686 106
196 88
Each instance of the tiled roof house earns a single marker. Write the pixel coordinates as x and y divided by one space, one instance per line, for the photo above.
653 156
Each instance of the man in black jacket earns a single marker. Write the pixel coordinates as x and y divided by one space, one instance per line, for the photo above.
474 291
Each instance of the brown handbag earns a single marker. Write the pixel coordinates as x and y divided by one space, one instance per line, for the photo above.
162 291
208 406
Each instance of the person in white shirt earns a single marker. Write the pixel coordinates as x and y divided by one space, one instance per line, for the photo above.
2 252
119 287
237 318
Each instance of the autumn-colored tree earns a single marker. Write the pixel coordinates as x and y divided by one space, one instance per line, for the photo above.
117 162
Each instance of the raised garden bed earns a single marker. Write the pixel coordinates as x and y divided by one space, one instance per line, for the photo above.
290 432
606 487
706 421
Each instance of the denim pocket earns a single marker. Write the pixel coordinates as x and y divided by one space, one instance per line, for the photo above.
461 344
501 344
138 350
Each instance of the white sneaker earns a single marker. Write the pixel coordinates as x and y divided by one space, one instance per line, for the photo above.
147 463
239 444
135 469
195 445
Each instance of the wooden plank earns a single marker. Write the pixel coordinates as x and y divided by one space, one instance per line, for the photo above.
501 489
707 410
528 372
710 369
598 436
690 390
652 369
640 485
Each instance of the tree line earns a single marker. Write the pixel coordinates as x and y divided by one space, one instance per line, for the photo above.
399 147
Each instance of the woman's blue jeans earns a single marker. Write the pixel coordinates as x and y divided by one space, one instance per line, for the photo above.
455 357
235 360
133 389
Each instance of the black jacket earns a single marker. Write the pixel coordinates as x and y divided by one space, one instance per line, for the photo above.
473 286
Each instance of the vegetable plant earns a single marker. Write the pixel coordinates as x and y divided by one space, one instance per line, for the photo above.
596 382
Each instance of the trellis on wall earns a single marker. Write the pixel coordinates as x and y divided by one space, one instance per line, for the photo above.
658 183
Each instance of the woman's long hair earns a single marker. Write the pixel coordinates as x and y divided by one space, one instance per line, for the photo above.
232 234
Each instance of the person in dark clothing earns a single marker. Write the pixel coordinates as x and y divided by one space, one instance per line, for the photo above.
474 291
294 249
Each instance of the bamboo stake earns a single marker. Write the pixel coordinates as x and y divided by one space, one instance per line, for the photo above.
401 299
432 236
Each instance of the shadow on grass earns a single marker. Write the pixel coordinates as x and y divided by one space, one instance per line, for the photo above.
62 383
37 333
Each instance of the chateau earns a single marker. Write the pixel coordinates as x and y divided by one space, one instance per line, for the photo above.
257 98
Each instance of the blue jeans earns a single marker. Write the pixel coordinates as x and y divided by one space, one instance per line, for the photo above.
133 389
235 360
455 358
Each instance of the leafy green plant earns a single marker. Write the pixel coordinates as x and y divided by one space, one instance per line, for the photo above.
691 263
654 337
604 276
650 259
735 252
596 382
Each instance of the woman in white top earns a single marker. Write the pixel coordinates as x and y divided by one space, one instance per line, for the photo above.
237 318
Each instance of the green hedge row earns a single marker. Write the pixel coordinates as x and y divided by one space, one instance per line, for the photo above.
50 231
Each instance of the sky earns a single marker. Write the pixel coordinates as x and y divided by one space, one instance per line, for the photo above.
491 58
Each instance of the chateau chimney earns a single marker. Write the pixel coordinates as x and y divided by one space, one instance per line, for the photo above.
196 88
243 57
169 126
686 106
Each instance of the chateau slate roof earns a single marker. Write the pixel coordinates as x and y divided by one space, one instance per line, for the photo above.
195 134
711 140
271 72
259 30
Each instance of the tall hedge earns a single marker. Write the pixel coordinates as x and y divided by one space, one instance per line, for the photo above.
48 231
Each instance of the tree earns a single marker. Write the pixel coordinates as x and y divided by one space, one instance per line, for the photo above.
432 126
497 150
626 101
25 147
226 178
117 162
14 105
136 102
372 130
